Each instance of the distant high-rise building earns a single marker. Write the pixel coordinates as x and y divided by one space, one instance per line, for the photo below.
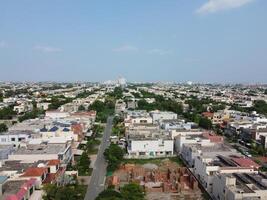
189 82
121 82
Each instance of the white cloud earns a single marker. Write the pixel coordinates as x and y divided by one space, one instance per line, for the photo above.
126 48
47 49
3 44
160 52
213 6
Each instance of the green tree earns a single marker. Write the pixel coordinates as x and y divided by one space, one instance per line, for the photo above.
51 191
132 191
57 101
113 155
117 93
103 109
109 194
81 108
7 113
83 164
31 115
3 128
205 123
1 96
67 192
260 106
84 94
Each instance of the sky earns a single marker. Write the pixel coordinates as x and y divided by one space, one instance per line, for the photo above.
211 41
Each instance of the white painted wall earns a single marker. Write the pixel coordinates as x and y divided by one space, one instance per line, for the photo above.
150 146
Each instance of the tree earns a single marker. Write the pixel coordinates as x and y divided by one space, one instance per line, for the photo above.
31 115
260 106
81 108
68 192
7 113
113 155
132 191
1 95
83 164
109 194
3 128
103 109
118 127
51 191
205 123
97 129
117 93
57 101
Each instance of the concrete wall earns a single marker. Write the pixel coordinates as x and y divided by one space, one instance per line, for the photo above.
150 147
33 157
157 116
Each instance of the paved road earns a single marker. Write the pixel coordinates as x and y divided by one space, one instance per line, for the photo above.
97 181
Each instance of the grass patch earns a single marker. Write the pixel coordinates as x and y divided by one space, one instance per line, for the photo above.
87 173
93 151
99 135
177 160
156 161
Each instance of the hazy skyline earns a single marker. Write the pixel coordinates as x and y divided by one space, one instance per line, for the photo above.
150 40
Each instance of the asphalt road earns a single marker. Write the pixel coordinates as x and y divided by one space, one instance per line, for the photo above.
97 181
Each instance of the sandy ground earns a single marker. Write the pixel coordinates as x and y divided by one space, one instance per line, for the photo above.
93 159
171 196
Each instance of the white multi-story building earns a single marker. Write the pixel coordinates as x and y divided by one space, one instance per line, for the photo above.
43 105
44 150
120 106
158 116
56 114
14 139
239 186
137 117
149 147
62 132
23 107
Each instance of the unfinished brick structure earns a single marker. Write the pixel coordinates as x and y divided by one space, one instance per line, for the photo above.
167 179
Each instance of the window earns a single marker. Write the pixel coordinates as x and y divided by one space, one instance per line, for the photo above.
13 139
3 139
20 139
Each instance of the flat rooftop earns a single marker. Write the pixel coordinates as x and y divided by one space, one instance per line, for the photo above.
17 165
41 149
19 132
150 136
248 183
215 148
12 187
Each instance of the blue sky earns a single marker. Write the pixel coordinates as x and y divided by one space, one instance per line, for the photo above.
142 40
